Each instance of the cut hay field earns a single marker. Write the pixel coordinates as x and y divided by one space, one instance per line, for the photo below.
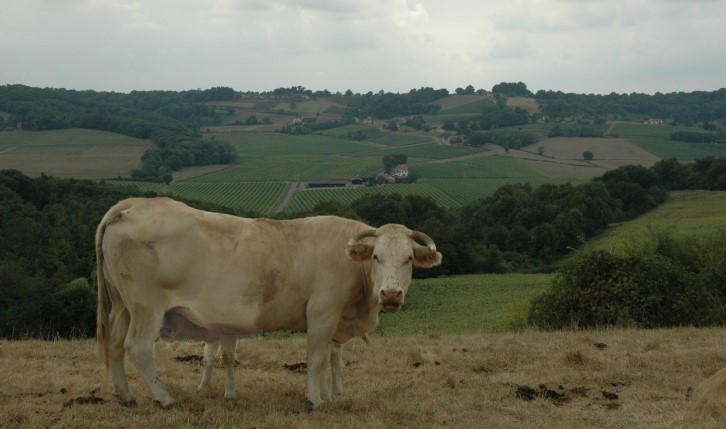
79 153
562 156
592 379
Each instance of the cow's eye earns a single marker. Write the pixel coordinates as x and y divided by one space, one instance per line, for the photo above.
375 257
409 260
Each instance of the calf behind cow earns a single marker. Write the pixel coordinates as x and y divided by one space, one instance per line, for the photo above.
165 268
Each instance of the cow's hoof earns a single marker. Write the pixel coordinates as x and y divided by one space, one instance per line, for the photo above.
166 404
313 405
128 401
230 396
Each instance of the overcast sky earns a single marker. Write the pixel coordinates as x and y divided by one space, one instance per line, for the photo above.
582 46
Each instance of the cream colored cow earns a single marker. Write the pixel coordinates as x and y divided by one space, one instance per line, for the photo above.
161 262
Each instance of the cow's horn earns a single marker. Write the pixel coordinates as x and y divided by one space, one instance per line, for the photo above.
361 235
425 239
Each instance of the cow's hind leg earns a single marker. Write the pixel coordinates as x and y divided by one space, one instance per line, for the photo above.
119 323
228 357
336 365
143 330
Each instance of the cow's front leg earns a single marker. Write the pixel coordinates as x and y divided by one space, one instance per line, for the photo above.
336 365
320 335
318 361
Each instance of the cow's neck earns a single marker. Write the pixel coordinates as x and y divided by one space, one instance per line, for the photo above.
367 295
361 314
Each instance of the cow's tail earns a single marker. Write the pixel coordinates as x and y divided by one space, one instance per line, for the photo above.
711 389
103 324
102 320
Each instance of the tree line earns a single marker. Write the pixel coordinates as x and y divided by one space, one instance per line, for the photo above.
683 107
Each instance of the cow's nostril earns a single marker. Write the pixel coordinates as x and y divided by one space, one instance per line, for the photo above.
388 295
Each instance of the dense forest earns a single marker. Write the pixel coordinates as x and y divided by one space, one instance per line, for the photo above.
47 227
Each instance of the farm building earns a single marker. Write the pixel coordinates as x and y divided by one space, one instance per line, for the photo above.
400 171
327 184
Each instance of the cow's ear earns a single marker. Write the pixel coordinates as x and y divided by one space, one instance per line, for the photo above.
425 258
358 251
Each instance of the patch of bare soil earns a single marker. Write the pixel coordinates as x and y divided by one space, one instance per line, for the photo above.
91 398
300 367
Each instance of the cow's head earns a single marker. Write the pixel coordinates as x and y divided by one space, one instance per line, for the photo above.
394 251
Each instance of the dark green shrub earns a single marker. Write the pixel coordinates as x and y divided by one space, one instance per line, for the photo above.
660 282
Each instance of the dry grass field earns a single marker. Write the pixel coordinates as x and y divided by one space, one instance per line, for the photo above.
79 153
527 103
590 379
563 156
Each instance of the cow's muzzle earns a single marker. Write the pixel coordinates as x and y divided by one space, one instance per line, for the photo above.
391 300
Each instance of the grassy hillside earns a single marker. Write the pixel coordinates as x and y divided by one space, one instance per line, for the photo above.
461 304
685 214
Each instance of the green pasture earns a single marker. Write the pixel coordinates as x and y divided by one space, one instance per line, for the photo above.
262 145
371 131
470 303
540 129
433 151
685 214
293 169
683 151
449 193
260 197
638 129
401 140
483 167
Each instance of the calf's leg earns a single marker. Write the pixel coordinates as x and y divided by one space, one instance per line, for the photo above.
336 365
210 352
228 344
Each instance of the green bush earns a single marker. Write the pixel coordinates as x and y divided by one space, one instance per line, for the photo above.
661 282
